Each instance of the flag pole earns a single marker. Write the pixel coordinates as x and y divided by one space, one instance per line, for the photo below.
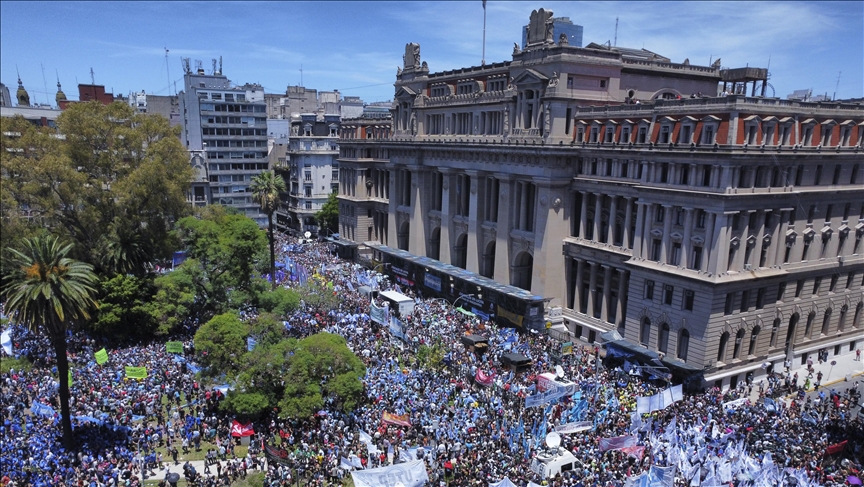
483 59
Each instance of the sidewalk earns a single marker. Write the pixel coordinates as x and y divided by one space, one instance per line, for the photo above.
178 469
847 369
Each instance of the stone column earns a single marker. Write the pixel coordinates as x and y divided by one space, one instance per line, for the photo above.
445 244
578 285
628 219
607 292
686 245
613 210
592 288
725 177
639 238
622 293
472 260
393 233
502 229
583 214
712 241
722 236
417 238
742 245
550 229
775 237
598 212
665 248
760 236
780 244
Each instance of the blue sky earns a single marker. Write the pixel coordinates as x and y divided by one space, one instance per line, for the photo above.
356 46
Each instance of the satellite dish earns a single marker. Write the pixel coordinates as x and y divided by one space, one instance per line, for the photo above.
559 371
553 440
307 234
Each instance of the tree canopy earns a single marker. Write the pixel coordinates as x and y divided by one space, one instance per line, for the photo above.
109 180
328 215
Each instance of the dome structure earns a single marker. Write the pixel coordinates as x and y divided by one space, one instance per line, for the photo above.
22 95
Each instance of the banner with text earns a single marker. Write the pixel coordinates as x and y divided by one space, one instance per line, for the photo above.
174 347
101 356
136 372
410 474
397 419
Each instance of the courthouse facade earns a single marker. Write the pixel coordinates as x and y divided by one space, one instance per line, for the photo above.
723 232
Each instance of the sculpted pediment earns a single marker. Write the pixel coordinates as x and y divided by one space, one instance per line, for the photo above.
530 76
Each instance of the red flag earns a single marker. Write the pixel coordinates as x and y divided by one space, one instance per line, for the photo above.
836 448
238 429
483 379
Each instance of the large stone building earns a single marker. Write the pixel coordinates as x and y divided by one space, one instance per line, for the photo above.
311 171
227 125
723 232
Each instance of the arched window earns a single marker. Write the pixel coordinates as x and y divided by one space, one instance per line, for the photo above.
663 338
856 320
754 336
645 332
841 323
775 327
739 337
721 351
826 321
808 328
683 345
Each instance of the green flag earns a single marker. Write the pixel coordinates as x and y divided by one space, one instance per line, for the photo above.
101 356
70 377
174 347
136 372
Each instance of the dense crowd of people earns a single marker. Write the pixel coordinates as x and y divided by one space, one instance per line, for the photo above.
466 433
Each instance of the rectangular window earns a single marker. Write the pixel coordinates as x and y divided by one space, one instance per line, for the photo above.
799 288
745 301
760 298
675 258
850 279
833 284
643 135
697 259
625 135
664 134
781 291
668 293
661 214
700 218
708 135
730 302
649 289
816 283
655 252
688 300
567 121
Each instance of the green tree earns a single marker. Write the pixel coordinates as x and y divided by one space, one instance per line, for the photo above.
322 367
280 301
174 300
113 183
220 344
266 188
226 252
49 293
123 307
328 215
319 295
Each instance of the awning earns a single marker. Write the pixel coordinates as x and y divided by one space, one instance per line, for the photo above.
474 340
625 349
515 360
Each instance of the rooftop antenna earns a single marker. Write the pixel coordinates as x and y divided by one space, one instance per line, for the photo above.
92 77
483 59
45 83
616 32
214 65
167 73
220 64
301 74
836 86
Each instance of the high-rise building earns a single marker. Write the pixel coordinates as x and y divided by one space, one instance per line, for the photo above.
229 124
722 233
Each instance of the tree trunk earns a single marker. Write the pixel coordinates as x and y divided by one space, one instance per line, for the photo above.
63 377
272 251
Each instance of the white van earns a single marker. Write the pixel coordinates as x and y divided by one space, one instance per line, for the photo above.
399 302
549 463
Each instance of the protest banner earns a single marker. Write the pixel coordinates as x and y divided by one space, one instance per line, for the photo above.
239 430
410 474
101 356
6 341
617 443
136 372
378 314
397 419
70 377
174 347
577 427
567 348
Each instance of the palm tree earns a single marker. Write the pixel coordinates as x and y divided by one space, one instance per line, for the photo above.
265 191
49 292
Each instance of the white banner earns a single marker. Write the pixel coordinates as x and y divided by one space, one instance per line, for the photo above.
411 474
6 342
568 428
657 402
